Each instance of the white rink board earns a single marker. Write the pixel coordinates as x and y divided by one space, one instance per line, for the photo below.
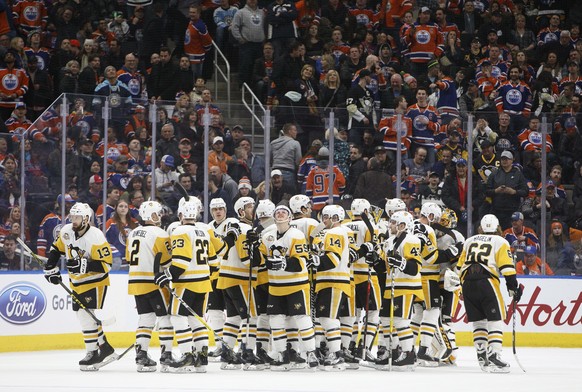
548 305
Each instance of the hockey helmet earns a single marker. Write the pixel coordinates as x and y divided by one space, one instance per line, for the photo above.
334 211
282 208
147 209
297 202
404 217
489 223
359 206
393 205
433 209
265 209
241 203
190 209
217 203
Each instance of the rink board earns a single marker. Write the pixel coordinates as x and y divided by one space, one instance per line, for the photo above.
35 315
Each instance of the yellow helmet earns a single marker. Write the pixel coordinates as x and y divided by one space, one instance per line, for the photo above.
449 218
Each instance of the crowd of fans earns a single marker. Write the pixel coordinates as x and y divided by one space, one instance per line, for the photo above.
418 68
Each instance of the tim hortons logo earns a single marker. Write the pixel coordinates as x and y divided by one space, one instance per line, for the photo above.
540 313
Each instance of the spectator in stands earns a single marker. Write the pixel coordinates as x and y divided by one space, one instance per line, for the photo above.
12 92
307 112
532 264
154 35
91 75
424 42
418 167
286 154
287 68
506 138
9 259
166 176
281 15
223 181
117 229
218 192
217 157
115 56
519 235
506 187
185 76
557 240
104 212
372 184
333 95
455 194
186 181
335 11
162 80
256 163
167 145
118 95
130 75
556 207
432 190
353 63
40 88
394 91
262 72
120 176
360 106
248 30
237 167
94 193
55 164
245 189
481 133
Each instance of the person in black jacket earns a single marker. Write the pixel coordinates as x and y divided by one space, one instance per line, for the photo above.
506 187
162 81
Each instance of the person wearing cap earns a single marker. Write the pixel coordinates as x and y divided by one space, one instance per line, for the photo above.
279 189
486 162
493 40
519 235
120 176
217 157
424 42
18 122
473 100
286 154
166 176
91 75
245 189
556 207
499 68
360 106
432 191
93 194
506 187
532 264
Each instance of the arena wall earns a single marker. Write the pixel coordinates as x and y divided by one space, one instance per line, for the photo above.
35 315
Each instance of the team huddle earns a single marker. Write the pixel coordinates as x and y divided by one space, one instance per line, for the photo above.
292 291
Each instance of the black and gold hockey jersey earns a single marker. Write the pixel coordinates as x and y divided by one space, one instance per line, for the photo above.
430 269
235 265
92 245
490 251
409 249
335 244
143 244
193 251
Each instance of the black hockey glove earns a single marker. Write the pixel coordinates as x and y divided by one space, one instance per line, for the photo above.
53 275
276 263
313 262
514 289
78 265
252 236
397 262
163 278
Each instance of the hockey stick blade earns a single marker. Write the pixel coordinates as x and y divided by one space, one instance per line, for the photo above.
108 321
182 191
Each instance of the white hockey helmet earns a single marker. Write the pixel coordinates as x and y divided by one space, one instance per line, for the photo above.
489 223
334 211
190 209
282 208
433 209
241 203
393 205
403 217
359 206
217 203
449 218
265 209
297 202
148 208
82 209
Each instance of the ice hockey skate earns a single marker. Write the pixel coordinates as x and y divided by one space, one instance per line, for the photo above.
496 364
201 360
214 356
425 359
165 360
87 364
184 365
295 360
404 362
144 363
229 360
281 362
251 362
334 362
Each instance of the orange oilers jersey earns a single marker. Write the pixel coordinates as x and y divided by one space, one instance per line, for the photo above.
197 42
389 126
317 186
425 43
394 11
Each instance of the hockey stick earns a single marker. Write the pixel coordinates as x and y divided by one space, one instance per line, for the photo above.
193 313
77 300
370 228
391 319
514 305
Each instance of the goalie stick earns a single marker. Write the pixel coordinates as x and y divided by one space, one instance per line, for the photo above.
78 301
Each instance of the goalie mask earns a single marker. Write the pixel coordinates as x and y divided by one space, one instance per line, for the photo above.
449 218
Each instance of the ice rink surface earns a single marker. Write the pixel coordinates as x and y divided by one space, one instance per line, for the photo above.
548 370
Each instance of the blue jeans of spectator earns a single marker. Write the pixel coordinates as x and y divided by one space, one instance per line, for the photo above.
197 70
248 53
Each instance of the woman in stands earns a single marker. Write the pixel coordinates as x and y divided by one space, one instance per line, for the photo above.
118 228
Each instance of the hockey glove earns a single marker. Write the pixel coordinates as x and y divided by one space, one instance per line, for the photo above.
53 275
516 293
397 262
252 236
371 258
353 255
313 262
233 229
452 251
78 265
276 263
366 248
163 278
452 281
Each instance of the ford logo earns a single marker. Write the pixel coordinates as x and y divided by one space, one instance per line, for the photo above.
22 303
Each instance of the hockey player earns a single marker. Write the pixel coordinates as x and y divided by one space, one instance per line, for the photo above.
368 295
427 313
286 256
485 257
333 282
401 253
447 237
301 207
148 250
235 278
192 255
216 306
89 260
